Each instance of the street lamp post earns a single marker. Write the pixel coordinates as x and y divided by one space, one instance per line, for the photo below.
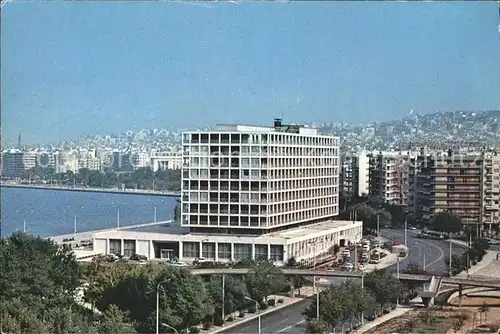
158 306
362 292
223 297
314 281
449 266
167 325
258 307
397 299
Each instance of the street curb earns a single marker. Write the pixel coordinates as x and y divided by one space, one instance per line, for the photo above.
253 317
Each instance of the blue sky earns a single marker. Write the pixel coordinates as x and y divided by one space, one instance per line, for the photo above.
75 68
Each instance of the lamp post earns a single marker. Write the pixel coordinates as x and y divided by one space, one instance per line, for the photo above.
449 267
314 280
223 297
167 325
158 306
362 292
397 299
258 307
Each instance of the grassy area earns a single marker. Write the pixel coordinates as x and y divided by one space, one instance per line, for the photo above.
419 321
440 325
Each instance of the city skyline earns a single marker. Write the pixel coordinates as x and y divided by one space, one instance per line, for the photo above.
112 67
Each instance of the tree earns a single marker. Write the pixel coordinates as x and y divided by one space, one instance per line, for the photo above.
384 286
331 310
458 263
484 309
115 321
234 294
264 280
341 303
368 215
334 250
315 326
446 222
37 287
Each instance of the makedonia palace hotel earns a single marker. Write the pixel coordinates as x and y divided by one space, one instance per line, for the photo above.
249 192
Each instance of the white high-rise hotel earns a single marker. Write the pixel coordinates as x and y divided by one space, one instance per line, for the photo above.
250 193
246 179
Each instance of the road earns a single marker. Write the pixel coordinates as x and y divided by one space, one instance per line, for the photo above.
435 251
287 320
291 321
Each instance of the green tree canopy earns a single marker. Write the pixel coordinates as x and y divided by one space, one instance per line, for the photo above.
446 222
384 286
235 291
264 280
38 280
115 321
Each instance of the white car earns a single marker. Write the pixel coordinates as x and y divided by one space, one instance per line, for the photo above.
348 266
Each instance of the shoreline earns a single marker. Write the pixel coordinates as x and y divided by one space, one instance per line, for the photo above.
95 190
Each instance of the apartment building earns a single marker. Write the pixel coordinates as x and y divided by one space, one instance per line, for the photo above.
354 174
491 189
389 177
16 162
466 184
166 160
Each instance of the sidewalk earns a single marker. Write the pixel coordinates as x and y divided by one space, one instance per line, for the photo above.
399 311
485 262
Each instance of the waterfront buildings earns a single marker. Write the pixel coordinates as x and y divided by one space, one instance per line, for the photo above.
15 162
250 192
166 160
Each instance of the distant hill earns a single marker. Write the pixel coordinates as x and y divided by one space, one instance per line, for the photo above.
441 129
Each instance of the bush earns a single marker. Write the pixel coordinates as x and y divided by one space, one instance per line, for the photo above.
474 262
263 306
385 311
371 317
206 326
280 300
241 314
230 319
271 302
252 309
194 330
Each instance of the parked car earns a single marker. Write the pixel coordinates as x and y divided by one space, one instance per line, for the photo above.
138 257
348 266
374 261
177 263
